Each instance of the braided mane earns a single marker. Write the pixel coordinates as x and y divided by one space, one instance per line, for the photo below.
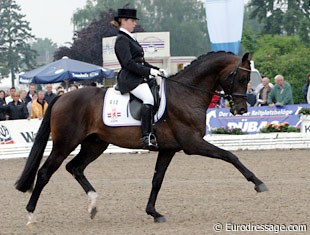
209 56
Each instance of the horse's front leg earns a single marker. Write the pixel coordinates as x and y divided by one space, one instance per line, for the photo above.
201 147
163 160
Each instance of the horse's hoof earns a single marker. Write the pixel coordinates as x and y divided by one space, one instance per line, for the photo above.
261 188
93 212
31 220
31 226
160 219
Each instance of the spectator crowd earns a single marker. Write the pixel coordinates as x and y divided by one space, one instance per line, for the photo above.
20 104
268 94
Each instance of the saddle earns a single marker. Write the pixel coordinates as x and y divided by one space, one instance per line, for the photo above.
125 109
135 103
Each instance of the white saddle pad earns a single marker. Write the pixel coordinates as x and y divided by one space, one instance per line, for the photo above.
116 111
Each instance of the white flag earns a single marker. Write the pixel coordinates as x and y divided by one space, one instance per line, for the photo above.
225 22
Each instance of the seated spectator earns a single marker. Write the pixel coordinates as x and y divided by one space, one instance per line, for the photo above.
281 94
17 109
306 91
31 92
250 95
49 95
39 106
263 92
3 106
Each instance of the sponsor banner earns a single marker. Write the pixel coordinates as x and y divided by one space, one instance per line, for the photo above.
156 45
255 119
18 131
225 22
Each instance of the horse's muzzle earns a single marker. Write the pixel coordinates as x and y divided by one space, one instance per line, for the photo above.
242 111
238 108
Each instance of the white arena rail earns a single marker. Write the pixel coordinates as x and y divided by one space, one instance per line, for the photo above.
261 141
22 150
227 142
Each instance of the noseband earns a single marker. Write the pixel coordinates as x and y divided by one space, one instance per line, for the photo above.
233 74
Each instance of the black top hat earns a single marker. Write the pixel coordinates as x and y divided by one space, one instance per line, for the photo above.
126 13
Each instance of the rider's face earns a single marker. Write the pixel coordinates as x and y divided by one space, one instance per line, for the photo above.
129 24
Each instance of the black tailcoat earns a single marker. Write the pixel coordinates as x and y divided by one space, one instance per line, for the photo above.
131 58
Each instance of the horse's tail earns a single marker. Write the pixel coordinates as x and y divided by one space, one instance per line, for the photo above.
25 182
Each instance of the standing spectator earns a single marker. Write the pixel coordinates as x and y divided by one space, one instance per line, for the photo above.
49 95
261 85
10 98
305 89
73 87
23 95
39 106
250 95
31 92
281 94
3 106
60 91
17 109
29 105
263 92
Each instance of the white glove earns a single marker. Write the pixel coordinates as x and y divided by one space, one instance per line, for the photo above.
155 72
163 72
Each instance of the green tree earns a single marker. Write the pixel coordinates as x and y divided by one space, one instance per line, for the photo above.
45 49
15 33
87 45
252 30
184 19
286 55
92 10
286 17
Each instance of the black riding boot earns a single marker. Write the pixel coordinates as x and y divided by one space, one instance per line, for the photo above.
148 138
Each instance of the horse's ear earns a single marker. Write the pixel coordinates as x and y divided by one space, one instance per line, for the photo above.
246 56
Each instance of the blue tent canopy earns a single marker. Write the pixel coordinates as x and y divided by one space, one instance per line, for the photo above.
65 69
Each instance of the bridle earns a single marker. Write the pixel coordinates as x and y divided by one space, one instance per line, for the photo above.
232 94
228 96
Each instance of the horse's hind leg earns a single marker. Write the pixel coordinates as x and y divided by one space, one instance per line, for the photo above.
44 174
91 148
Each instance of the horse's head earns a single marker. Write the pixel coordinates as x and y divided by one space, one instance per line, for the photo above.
235 85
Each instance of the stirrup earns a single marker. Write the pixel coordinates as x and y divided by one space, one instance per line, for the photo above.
150 142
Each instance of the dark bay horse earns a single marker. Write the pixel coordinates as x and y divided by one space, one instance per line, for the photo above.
76 118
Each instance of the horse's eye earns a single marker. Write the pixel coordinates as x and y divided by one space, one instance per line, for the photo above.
242 79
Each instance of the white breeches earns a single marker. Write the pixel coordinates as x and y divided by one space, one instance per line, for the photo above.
144 93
